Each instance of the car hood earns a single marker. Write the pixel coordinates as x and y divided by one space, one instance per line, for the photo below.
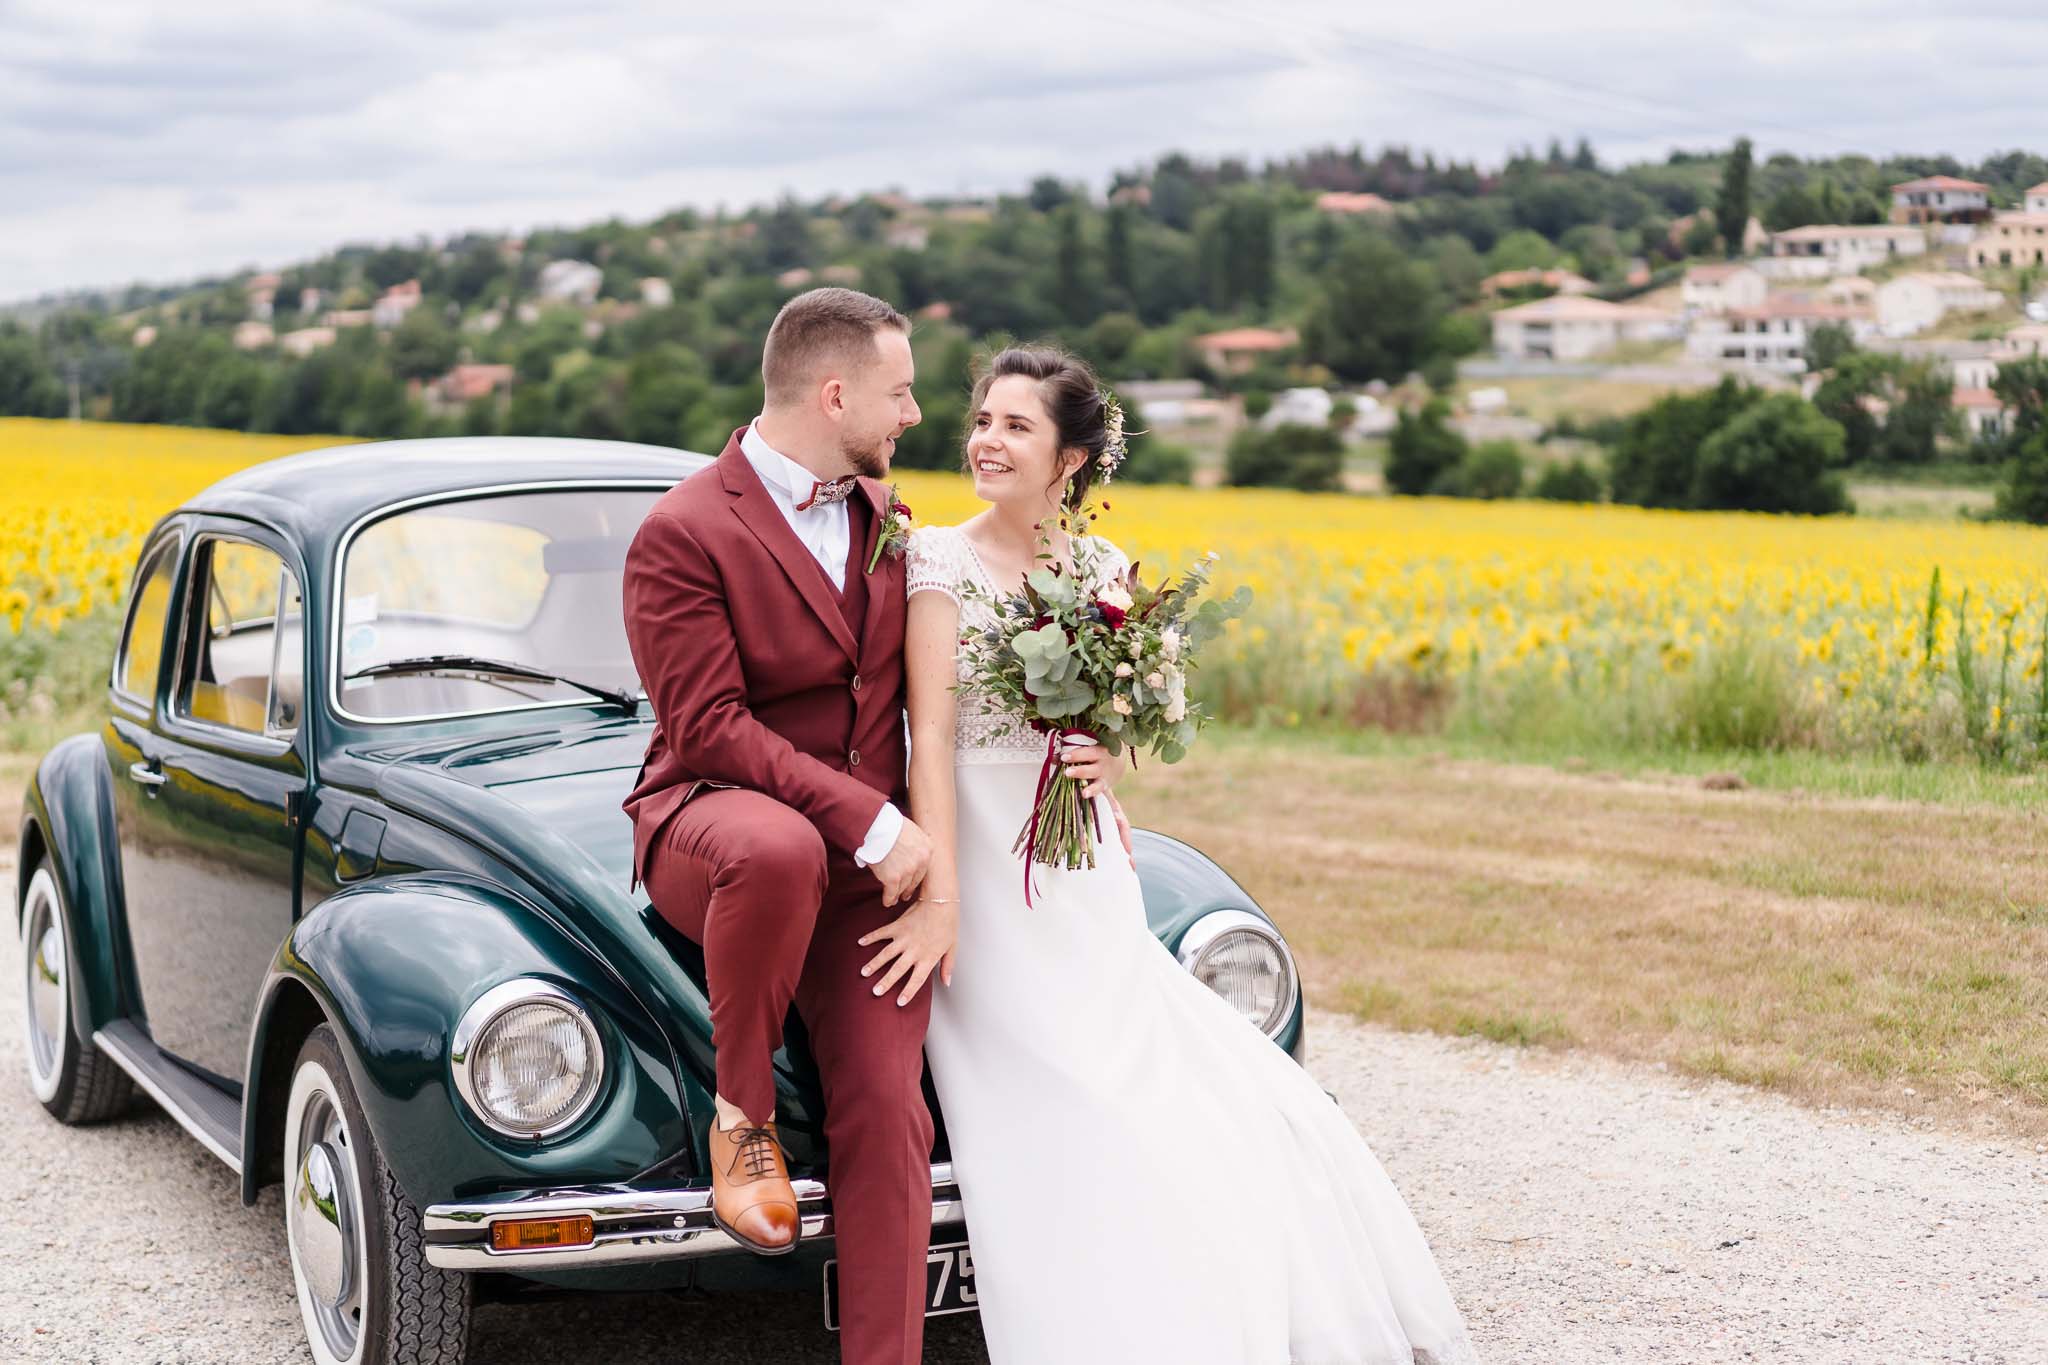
548 804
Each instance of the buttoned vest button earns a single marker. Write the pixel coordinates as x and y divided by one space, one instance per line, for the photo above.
856 682
853 757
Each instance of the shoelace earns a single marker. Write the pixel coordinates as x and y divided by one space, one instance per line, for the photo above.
756 1148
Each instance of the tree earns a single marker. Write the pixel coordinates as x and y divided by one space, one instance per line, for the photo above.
422 345
2022 386
1776 456
1658 450
1848 396
1491 470
2024 494
1375 312
1731 209
1792 207
1307 458
1423 449
1573 482
1922 414
28 388
1116 251
1827 344
1522 250
1071 293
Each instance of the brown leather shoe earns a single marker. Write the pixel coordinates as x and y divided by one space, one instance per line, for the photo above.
751 1198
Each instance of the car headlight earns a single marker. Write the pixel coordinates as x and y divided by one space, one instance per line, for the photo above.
1243 959
527 1059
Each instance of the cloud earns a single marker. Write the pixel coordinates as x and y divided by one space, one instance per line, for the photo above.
140 140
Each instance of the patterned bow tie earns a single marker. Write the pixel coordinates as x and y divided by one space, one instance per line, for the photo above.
834 490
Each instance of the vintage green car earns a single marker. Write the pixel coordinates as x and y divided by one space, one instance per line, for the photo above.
342 884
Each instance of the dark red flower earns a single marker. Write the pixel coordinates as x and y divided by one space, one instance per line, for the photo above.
901 509
1113 615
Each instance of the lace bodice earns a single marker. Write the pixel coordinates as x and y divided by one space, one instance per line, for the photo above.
941 559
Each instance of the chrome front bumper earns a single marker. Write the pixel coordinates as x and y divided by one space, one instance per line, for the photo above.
629 1225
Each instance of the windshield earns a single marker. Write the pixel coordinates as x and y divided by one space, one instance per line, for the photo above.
534 579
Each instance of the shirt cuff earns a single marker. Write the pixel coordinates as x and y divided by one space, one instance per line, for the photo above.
881 836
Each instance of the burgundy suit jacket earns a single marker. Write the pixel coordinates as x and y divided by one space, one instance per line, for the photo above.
755 678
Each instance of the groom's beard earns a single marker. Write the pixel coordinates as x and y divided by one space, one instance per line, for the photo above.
866 457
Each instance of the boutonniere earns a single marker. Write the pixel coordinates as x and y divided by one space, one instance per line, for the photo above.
895 533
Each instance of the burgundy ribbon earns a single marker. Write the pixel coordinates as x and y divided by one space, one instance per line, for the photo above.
1048 771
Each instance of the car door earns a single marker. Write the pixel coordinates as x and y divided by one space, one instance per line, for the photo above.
211 823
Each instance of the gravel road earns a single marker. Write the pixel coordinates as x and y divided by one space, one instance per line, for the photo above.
1582 1211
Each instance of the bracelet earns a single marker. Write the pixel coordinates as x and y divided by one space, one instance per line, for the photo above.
938 900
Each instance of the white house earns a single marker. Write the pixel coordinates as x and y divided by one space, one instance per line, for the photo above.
2022 341
1971 364
391 307
1568 328
1915 301
2014 238
1850 291
657 292
1306 407
1773 335
1718 288
1827 249
253 335
2035 200
306 340
570 281
1983 413
1940 199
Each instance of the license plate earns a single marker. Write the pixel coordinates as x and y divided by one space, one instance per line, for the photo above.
948 1284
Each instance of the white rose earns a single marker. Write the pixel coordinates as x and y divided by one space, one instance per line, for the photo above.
1169 643
1137 646
1176 710
1120 704
1115 596
1124 670
1156 679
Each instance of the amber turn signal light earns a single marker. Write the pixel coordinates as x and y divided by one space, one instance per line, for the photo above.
532 1234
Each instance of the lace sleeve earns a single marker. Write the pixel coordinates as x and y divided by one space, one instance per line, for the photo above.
932 563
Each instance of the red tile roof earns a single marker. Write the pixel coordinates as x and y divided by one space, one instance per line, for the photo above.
1247 339
1940 182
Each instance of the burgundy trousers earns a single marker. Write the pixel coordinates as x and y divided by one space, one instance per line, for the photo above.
751 882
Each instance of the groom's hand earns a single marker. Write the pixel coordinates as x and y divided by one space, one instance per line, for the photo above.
903 870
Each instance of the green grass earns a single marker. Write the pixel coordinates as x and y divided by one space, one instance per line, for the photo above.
1858 778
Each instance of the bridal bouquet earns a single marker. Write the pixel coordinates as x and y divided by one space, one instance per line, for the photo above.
1110 665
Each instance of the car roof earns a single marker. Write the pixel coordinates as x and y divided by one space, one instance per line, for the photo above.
315 496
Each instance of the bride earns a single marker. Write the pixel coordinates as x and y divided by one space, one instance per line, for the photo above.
1147 1177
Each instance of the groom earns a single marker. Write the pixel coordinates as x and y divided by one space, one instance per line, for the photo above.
768 819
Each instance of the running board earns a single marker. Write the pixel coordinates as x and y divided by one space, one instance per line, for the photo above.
205 1111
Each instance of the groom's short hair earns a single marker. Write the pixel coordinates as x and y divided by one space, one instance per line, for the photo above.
821 330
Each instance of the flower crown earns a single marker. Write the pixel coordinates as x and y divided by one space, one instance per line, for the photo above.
1114 447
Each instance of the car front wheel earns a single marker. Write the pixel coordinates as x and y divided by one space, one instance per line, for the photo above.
366 1293
75 1080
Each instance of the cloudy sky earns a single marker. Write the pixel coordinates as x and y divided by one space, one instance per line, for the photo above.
148 140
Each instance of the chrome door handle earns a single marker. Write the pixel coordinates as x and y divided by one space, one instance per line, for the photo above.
147 776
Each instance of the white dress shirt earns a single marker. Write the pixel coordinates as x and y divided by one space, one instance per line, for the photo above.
824 529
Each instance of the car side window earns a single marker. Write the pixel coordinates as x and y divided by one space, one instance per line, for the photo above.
239 667
141 655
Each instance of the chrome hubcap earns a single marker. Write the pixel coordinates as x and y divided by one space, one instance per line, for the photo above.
48 1004
324 1213
316 1219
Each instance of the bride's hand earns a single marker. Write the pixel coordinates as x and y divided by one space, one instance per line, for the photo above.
1088 762
920 940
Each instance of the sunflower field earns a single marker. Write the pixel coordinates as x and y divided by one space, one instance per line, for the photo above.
1612 626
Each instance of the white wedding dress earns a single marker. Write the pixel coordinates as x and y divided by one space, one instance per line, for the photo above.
1147 1177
